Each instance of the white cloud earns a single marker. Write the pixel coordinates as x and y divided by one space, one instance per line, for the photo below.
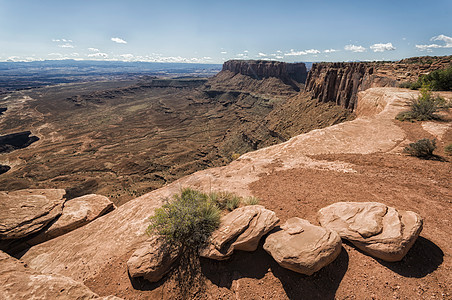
98 55
260 54
118 40
354 48
298 53
223 52
429 48
246 51
330 50
55 40
67 45
127 56
93 49
446 39
382 47
279 57
55 54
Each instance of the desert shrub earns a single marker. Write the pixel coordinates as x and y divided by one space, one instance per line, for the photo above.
225 200
422 148
233 202
187 220
251 200
423 108
235 155
439 80
448 149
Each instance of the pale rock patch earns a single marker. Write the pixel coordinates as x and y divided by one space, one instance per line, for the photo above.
376 229
303 247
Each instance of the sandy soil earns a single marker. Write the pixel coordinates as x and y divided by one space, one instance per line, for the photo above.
397 180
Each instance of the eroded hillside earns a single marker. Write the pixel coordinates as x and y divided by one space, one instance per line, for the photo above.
125 138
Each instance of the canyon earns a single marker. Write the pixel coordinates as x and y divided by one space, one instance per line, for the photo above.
256 128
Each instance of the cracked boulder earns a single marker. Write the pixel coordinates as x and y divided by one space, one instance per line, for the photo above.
241 229
378 230
76 213
152 260
302 247
25 212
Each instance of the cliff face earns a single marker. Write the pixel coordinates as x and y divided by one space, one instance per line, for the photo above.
260 69
341 82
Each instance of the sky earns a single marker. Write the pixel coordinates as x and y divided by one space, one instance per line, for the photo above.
215 31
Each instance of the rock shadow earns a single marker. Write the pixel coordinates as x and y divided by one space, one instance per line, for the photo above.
321 285
139 283
422 259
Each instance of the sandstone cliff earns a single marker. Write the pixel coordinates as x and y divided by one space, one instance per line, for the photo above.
259 69
341 82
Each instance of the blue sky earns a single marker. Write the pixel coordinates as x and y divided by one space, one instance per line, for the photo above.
215 31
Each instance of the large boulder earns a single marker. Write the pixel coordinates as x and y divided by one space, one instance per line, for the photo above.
241 229
152 260
27 211
375 228
18 281
76 213
303 247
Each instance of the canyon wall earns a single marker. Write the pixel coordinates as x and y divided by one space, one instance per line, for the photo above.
341 82
260 69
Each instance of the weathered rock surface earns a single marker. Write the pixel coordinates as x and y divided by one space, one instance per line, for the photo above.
76 213
83 253
18 281
259 69
241 229
303 247
152 260
341 82
25 212
375 228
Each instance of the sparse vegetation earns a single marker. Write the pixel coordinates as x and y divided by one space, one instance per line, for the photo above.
251 200
233 202
439 80
422 148
187 220
424 107
448 149
225 200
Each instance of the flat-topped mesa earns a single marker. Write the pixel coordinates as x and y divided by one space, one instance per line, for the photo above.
260 69
340 82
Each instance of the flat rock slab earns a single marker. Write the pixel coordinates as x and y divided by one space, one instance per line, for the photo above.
152 260
303 247
18 281
241 229
27 211
375 228
76 213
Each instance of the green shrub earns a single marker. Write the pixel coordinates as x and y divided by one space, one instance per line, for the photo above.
225 200
422 148
187 220
251 200
423 108
448 149
439 80
233 202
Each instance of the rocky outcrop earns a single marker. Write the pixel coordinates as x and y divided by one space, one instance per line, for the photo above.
375 228
18 281
260 69
4 169
152 260
13 141
25 212
341 82
241 229
76 213
303 247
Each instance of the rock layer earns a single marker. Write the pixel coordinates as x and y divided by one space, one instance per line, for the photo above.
18 281
76 213
25 212
375 228
241 229
303 247
259 69
152 260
